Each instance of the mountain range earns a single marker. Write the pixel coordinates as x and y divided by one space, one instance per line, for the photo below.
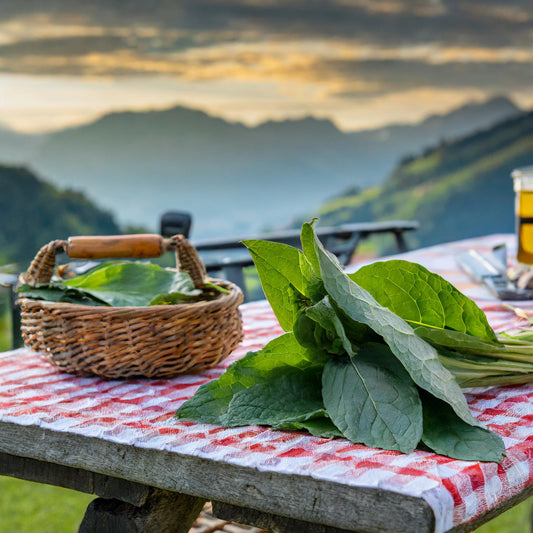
234 179
456 190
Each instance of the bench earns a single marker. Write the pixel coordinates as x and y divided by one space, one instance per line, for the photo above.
229 256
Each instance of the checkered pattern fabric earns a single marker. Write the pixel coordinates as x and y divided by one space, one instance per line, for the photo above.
139 413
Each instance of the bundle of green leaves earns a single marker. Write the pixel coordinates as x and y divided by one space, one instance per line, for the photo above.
121 284
376 357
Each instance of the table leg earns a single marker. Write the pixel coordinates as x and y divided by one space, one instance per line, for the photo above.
163 511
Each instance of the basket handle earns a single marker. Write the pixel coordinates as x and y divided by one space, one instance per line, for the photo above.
117 246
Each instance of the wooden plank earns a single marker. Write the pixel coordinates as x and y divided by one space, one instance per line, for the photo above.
73 478
272 522
298 497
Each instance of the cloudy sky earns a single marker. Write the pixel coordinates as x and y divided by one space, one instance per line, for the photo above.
362 63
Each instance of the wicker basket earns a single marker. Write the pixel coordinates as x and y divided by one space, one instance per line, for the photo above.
160 341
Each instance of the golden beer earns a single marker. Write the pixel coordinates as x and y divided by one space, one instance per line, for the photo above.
523 187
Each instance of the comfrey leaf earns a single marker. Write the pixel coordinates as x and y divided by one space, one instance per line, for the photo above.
290 394
371 404
446 434
304 330
418 357
281 356
123 284
57 292
352 367
422 298
285 283
325 330
307 238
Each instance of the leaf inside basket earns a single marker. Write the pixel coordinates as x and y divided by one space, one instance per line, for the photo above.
119 284
57 292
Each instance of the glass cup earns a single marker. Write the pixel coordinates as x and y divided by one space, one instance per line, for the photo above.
523 187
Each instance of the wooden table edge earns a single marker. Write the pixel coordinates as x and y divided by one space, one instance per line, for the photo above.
317 501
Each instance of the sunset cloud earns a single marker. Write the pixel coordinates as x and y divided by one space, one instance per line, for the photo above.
434 30
330 51
338 64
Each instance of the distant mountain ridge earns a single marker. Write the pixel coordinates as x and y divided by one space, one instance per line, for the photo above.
456 190
465 120
233 178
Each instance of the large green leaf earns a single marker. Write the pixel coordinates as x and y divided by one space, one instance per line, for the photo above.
307 238
209 403
123 284
281 351
281 355
418 357
57 292
422 298
290 394
279 269
446 434
371 404
280 258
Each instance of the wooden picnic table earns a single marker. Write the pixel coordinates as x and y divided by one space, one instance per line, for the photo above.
118 440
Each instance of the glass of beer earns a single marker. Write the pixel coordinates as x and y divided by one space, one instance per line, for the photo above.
523 187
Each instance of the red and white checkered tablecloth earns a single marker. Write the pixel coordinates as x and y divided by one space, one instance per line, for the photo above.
139 413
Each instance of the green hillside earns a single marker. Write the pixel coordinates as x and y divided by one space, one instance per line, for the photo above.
456 190
33 212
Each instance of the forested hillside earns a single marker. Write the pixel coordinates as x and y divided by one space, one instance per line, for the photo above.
456 190
33 212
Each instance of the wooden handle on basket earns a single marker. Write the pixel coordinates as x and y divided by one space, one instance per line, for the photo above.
116 246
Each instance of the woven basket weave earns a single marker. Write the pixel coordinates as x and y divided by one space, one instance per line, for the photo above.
159 341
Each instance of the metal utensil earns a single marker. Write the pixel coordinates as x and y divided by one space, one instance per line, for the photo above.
492 272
